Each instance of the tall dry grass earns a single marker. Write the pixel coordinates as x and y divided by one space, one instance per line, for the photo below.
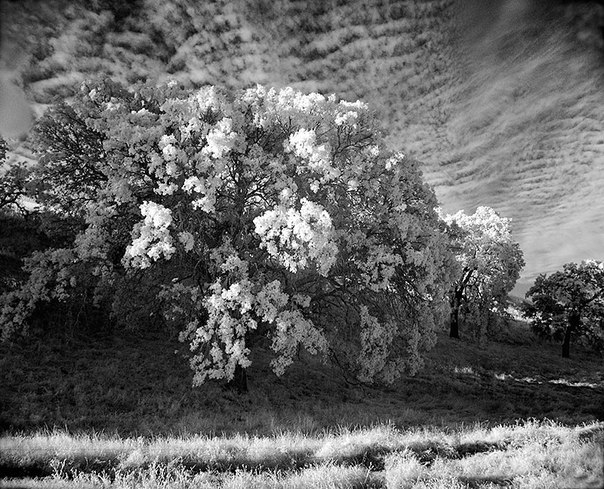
524 455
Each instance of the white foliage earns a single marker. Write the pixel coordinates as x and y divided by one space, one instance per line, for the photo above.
153 237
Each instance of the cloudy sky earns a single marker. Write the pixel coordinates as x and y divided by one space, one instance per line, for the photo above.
530 128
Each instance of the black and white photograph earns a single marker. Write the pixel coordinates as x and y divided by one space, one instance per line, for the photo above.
288 244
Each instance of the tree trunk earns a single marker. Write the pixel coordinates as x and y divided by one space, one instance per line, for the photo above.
454 331
454 323
566 344
239 381
573 324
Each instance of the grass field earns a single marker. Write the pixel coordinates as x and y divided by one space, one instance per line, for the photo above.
529 455
120 412
136 385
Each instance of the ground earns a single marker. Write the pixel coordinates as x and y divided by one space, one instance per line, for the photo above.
140 384
119 411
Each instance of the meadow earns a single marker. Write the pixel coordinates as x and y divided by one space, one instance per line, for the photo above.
119 411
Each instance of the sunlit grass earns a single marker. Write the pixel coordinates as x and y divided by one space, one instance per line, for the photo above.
528 454
554 461
326 476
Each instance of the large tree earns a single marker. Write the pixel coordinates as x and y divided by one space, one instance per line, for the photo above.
569 302
260 217
490 264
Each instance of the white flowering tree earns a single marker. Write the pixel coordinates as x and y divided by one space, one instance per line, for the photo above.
569 302
262 217
490 264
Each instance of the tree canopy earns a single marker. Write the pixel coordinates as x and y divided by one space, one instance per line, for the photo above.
569 303
258 217
490 264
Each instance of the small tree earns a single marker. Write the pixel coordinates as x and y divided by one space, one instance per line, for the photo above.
490 264
261 217
568 303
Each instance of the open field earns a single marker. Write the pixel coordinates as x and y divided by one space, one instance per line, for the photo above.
120 412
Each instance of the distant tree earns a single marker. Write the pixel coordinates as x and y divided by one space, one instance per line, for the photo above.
490 264
262 217
12 223
14 181
568 303
22 229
